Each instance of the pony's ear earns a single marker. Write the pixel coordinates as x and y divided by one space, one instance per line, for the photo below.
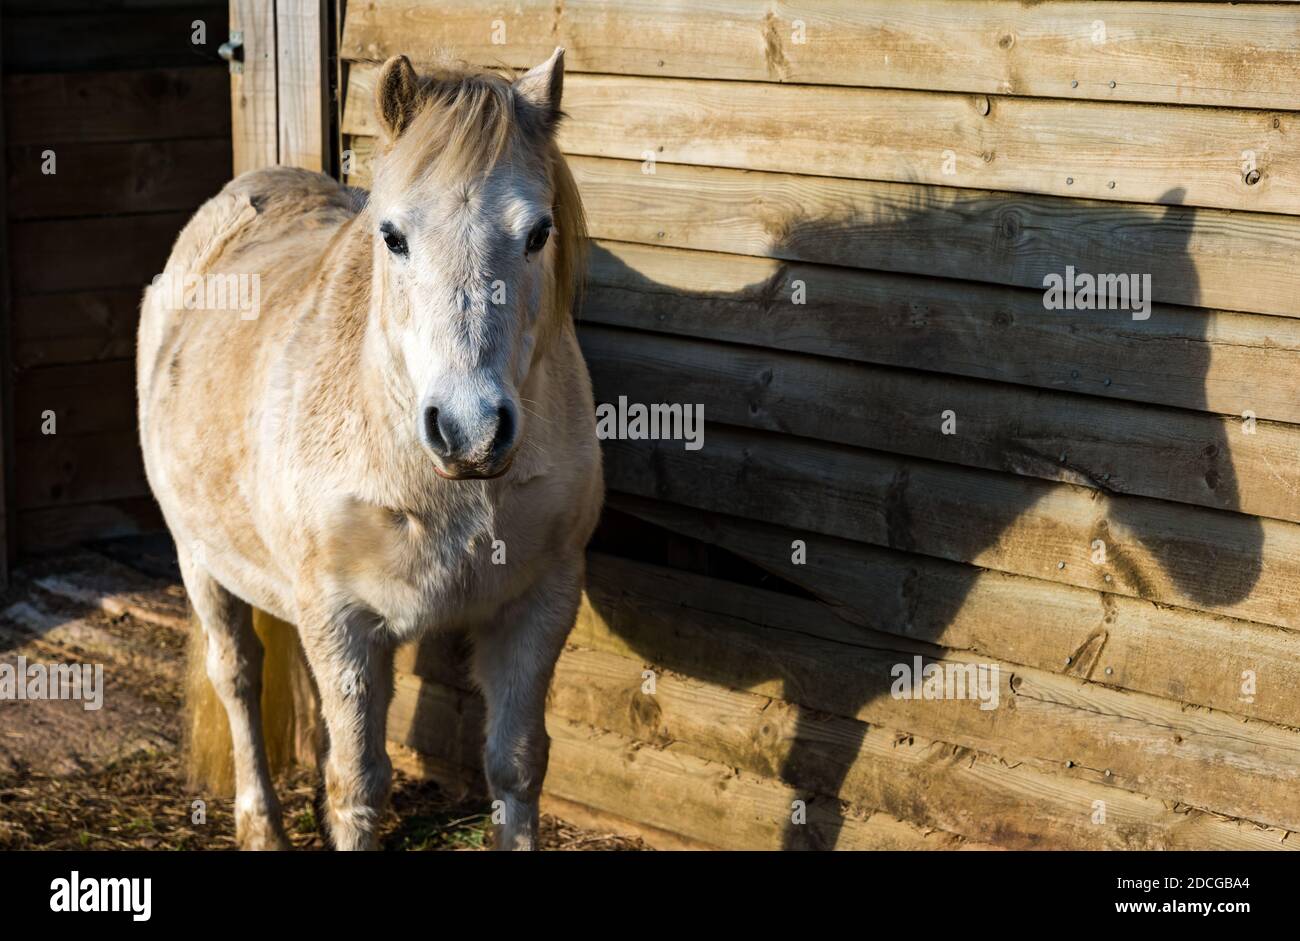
395 95
542 85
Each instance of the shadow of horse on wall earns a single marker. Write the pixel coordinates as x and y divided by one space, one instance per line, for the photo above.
1202 572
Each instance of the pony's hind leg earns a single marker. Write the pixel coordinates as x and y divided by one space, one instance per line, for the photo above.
233 660
514 658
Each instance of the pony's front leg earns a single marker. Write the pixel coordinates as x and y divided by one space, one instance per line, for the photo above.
352 661
514 658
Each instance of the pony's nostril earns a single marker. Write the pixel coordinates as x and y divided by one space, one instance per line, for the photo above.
433 433
505 435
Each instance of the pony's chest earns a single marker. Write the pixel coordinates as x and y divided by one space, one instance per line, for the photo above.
418 573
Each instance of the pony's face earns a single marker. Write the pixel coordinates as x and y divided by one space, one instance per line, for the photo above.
464 251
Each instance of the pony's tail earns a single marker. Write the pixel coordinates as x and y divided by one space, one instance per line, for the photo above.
291 725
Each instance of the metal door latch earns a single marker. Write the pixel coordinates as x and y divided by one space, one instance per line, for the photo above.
232 50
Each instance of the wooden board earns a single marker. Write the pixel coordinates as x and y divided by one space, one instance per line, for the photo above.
71 469
1195 257
1118 447
136 105
1206 360
79 254
105 178
86 398
1158 551
302 89
358 160
1174 653
670 790
934 784
117 39
1186 53
797 651
253 91
58 527
699 634
77 327
1130 153
1200 257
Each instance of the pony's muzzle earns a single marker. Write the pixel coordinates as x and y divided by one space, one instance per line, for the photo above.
474 446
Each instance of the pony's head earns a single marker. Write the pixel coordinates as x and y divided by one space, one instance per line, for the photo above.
477 234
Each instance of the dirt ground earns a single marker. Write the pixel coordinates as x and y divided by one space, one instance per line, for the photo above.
112 778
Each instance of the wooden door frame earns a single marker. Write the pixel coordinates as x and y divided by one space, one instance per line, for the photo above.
284 92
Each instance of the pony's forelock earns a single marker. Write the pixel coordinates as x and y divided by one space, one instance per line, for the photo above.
463 122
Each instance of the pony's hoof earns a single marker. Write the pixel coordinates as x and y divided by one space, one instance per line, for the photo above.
262 835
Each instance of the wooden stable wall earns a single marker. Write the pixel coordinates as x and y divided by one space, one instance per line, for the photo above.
136 119
1114 524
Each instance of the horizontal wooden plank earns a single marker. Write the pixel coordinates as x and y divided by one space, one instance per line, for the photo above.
922 781
934 784
601 821
1170 652
1119 447
133 105
105 178
1194 257
699 799
65 469
1243 54
1014 144
58 527
80 254
85 399
466 783
700 634
798 651
117 39
1207 360
1225 563
79 327
1198 257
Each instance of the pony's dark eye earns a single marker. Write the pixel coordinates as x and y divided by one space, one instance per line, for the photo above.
393 239
537 238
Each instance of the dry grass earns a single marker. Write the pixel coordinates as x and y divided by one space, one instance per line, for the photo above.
121 784
140 804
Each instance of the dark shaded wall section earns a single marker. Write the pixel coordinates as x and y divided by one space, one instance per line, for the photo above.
127 102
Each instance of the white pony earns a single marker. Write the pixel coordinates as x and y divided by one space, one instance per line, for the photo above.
401 440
